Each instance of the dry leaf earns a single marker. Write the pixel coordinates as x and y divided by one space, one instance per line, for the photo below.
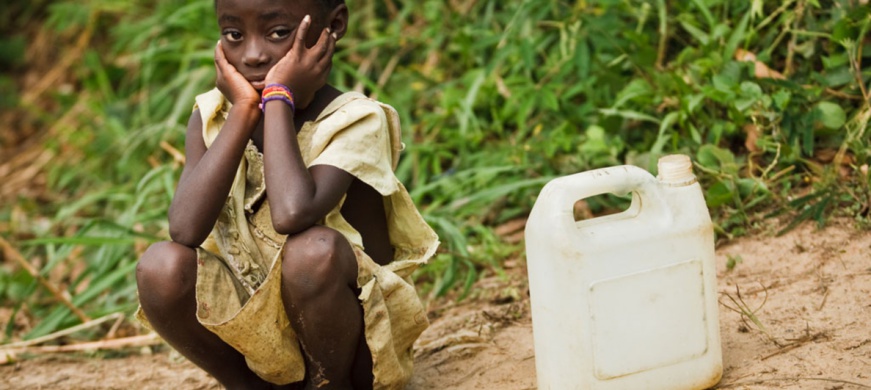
510 227
582 210
761 70
752 136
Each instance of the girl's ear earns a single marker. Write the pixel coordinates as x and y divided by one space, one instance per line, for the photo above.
338 20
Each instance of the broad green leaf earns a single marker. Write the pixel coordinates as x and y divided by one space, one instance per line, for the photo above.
748 186
715 158
636 88
831 115
781 99
718 195
693 102
750 94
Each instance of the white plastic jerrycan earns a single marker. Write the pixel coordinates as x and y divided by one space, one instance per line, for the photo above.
625 301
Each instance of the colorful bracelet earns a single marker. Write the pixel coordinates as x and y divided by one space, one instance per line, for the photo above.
277 92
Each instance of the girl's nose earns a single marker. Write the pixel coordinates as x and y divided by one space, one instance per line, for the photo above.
255 55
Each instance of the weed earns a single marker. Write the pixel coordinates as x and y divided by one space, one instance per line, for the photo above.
732 261
738 305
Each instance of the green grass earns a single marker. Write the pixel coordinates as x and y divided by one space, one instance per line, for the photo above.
496 98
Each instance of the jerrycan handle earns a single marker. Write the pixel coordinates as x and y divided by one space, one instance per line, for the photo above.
559 195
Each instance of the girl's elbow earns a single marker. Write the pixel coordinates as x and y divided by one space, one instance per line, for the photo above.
185 238
284 228
290 222
175 234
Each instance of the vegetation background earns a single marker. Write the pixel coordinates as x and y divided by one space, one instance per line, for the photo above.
770 98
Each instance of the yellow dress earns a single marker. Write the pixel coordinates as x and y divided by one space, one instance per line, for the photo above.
239 267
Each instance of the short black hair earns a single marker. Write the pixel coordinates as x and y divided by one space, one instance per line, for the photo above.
330 4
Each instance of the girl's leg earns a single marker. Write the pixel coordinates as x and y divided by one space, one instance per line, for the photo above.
362 374
319 289
166 278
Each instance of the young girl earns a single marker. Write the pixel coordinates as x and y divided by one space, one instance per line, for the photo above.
292 240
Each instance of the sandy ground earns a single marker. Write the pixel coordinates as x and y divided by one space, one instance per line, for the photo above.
810 291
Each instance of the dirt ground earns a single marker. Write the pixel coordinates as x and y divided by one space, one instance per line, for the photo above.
810 291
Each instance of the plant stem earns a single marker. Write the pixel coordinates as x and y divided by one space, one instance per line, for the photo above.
15 255
663 33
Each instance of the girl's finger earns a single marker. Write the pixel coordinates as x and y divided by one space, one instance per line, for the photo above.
325 75
293 36
329 49
302 31
220 57
323 43
218 52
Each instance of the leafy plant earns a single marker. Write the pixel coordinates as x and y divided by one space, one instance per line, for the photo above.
770 99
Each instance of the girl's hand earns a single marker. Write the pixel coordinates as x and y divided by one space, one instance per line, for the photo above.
232 84
302 69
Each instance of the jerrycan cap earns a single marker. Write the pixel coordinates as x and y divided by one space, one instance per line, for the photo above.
676 170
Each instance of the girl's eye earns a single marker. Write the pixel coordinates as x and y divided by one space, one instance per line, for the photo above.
279 34
233 36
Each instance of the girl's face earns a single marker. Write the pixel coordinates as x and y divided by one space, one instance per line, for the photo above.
256 34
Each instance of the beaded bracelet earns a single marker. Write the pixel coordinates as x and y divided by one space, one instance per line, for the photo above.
277 92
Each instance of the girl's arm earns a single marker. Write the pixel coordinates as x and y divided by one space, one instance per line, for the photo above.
207 176
298 196
208 173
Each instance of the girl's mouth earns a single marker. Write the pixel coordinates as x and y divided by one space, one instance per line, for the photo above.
258 84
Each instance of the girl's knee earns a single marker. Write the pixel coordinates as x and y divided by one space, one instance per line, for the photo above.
318 258
165 270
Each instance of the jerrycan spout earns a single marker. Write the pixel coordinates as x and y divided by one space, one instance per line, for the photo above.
676 170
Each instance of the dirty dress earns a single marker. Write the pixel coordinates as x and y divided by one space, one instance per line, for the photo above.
238 285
